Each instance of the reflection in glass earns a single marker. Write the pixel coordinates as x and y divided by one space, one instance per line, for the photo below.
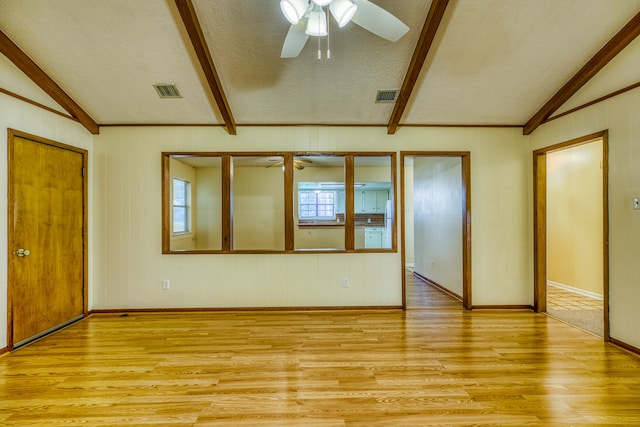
196 214
258 203
319 202
373 202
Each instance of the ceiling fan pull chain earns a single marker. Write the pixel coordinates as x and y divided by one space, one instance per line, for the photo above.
319 51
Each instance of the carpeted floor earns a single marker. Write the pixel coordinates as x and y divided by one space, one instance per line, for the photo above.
576 309
588 320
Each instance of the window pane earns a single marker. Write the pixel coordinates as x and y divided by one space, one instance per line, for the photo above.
181 205
179 219
373 202
179 192
319 217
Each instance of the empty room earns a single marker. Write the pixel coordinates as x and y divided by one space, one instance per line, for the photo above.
318 212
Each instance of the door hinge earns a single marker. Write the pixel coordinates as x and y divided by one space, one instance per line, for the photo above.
84 171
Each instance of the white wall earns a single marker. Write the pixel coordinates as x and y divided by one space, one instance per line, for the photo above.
19 115
128 223
437 197
621 117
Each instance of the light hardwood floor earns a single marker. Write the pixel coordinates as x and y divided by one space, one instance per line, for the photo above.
331 368
422 295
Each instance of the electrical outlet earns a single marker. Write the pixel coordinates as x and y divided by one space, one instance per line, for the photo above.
166 285
636 203
345 282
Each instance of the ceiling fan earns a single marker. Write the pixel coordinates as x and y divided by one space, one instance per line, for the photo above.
309 18
297 163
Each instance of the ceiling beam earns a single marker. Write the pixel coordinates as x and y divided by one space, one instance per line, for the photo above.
9 49
614 46
191 23
431 24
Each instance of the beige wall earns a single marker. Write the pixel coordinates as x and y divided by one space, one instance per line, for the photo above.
621 117
437 219
574 217
208 217
132 268
372 173
258 208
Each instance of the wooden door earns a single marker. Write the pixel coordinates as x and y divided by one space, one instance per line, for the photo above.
47 260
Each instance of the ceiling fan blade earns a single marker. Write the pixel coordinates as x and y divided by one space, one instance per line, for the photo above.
298 166
295 40
279 163
375 19
300 159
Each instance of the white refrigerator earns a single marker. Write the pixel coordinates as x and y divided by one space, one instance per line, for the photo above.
388 225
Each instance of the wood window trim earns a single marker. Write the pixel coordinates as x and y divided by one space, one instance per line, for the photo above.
288 188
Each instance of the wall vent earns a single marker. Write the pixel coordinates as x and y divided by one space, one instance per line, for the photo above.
387 95
166 90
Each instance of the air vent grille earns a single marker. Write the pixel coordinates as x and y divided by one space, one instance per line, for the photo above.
167 90
388 95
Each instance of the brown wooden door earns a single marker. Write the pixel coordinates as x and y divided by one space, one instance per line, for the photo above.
46 242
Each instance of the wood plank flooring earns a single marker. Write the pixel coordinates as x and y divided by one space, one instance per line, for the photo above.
331 368
422 295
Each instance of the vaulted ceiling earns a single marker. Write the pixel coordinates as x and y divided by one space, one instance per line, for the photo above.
462 62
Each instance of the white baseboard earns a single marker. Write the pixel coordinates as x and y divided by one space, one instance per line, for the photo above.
575 290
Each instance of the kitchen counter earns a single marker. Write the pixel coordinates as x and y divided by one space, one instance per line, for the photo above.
361 220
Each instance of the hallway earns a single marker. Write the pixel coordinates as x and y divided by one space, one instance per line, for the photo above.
421 295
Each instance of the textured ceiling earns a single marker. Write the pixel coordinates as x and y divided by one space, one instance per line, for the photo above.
499 61
493 62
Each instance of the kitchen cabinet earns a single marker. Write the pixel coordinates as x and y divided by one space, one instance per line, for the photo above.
340 202
375 237
370 201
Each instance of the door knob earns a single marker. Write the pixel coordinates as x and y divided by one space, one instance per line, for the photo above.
22 252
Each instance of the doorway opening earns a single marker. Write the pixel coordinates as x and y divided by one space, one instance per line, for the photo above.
436 230
571 233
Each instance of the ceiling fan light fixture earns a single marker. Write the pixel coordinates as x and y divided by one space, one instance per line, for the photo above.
322 3
343 11
317 25
294 10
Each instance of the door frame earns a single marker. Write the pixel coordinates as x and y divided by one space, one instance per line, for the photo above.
465 157
12 134
540 221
